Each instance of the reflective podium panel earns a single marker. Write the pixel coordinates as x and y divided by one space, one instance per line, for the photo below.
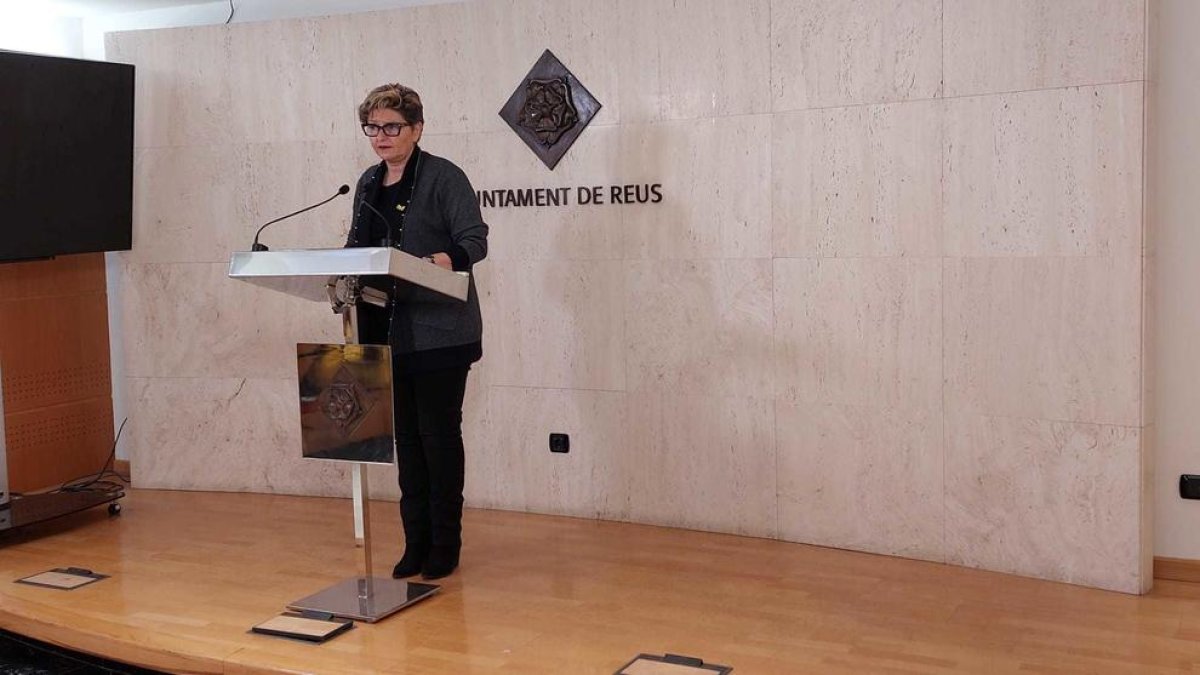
346 402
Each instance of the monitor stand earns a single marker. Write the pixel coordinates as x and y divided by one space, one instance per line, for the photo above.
18 512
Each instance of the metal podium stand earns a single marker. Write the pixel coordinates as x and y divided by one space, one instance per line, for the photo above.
346 395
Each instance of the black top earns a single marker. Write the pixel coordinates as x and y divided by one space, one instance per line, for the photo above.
392 201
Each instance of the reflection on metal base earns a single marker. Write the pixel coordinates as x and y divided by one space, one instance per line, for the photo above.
366 598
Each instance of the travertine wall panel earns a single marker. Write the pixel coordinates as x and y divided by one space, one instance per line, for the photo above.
891 300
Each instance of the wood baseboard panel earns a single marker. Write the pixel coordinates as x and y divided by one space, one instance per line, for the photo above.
121 466
1177 569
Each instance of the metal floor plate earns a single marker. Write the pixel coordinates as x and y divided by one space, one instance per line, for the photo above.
351 599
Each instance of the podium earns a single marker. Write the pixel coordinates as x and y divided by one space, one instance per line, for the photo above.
345 392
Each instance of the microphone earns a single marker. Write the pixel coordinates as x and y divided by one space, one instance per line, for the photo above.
263 247
387 227
380 296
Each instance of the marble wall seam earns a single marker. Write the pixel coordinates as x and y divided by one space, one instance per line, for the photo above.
1149 333
1030 44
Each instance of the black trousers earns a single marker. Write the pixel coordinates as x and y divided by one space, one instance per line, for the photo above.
429 449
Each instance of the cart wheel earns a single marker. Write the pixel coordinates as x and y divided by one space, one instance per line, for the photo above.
114 509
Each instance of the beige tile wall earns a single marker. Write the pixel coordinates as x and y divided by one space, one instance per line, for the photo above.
892 300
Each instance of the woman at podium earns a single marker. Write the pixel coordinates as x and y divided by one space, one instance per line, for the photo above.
423 205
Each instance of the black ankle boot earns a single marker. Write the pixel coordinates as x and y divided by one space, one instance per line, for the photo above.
441 562
411 562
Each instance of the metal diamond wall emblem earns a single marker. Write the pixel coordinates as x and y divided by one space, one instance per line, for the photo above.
550 109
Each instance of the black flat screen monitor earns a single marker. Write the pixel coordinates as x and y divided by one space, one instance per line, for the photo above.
66 156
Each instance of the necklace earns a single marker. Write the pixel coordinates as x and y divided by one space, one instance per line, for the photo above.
412 189
402 204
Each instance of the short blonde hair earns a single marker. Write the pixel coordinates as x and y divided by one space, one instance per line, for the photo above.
393 97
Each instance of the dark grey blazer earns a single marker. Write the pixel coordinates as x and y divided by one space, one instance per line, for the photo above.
443 216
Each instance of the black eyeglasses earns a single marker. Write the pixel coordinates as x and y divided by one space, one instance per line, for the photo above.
390 129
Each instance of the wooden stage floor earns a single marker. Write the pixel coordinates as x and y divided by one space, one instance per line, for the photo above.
192 572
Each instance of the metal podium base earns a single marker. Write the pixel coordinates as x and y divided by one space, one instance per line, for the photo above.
364 599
